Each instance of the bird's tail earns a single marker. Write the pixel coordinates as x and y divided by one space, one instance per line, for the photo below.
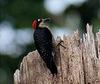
52 67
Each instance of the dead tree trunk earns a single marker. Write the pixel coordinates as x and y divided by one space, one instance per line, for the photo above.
78 63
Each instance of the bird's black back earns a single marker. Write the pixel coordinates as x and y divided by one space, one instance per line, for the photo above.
43 43
43 40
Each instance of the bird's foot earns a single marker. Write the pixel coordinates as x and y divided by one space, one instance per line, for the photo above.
59 42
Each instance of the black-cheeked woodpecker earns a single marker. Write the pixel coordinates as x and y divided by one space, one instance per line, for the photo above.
43 39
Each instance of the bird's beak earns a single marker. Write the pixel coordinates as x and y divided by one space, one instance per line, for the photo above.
47 20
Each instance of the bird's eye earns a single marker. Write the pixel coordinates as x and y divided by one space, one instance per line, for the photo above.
39 20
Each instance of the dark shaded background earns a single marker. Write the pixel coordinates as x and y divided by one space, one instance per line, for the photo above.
16 16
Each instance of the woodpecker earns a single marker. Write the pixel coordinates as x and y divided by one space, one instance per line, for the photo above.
43 39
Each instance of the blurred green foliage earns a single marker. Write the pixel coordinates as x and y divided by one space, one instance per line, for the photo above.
22 12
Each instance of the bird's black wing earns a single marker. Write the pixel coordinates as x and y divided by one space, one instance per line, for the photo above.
43 40
43 43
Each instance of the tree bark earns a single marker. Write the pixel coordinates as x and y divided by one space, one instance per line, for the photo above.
78 62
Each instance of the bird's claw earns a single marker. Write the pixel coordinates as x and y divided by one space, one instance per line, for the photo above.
59 42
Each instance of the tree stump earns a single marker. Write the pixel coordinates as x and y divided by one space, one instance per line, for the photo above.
78 63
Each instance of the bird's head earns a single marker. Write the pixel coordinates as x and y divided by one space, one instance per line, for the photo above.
40 23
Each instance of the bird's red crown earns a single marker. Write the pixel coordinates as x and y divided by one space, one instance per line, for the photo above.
34 24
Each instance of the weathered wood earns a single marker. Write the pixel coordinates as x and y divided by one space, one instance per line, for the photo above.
78 63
